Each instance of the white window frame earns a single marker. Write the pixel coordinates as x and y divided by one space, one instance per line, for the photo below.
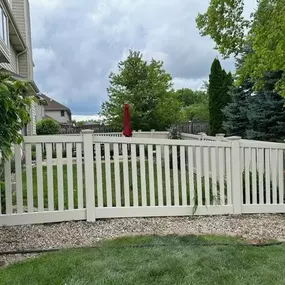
4 35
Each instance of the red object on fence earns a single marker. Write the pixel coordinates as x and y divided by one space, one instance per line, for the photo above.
127 132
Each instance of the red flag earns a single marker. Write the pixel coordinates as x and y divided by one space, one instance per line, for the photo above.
127 132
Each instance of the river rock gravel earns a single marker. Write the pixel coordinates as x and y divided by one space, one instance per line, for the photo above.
81 233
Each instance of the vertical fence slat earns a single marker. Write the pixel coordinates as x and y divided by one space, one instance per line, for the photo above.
143 176
229 176
191 175
183 175
99 177
221 175
167 175
175 175
59 177
206 175
253 173
134 175
29 178
48 148
247 158
260 175
267 176
151 175
159 175
69 176
117 175
126 175
8 186
274 163
214 174
281 176
198 175
108 174
19 191
39 162
79 175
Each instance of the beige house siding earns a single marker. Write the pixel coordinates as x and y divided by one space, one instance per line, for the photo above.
12 66
56 115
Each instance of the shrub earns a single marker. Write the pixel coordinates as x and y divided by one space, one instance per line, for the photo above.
48 127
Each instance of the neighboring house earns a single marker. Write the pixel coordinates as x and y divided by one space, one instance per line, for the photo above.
16 48
53 109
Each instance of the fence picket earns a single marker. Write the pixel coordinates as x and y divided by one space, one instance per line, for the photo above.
108 174
134 175
260 175
221 175
8 186
229 176
19 192
29 178
126 175
69 176
206 175
267 176
99 177
281 176
191 176
253 173
175 175
214 174
117 175
183 175
247 158
143 176
198 176
79 175
59 177
48 148
167 175
40 191
274 163
159 175
151 175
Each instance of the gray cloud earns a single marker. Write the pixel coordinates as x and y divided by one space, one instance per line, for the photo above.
77 43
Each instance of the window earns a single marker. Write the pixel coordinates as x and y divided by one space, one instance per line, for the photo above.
62 113
3 26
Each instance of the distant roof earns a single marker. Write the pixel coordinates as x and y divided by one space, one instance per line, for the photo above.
53 105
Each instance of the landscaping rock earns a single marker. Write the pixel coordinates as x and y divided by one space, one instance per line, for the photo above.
73 234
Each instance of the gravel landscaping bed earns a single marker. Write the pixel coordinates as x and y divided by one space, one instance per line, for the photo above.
70 234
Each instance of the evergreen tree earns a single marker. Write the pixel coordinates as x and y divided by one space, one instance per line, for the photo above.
236 112
219 84
266 112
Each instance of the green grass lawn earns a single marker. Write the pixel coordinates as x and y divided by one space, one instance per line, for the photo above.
161 260
75 196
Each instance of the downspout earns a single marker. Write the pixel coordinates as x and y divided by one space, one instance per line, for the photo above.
18 55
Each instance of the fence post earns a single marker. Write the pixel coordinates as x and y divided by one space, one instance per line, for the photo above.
219 137
152 133
202 135
89 174
236 175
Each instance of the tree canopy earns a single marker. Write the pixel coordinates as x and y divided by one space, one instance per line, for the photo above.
14 112
147 88
48 126
225 23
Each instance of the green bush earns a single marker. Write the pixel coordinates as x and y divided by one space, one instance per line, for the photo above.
48 127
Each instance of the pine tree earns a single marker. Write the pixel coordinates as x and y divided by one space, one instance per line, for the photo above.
219 84
266 113
236 112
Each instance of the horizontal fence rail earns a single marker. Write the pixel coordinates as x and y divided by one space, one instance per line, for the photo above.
92 176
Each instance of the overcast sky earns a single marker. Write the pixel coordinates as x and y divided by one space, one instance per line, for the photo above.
77 43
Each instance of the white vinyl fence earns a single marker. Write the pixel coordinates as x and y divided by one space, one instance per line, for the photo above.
111 176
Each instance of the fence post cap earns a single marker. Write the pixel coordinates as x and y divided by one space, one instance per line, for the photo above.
234 138
152 130
87 131
220 135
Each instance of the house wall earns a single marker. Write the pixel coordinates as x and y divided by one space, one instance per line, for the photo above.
12 66
56 115
40 112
